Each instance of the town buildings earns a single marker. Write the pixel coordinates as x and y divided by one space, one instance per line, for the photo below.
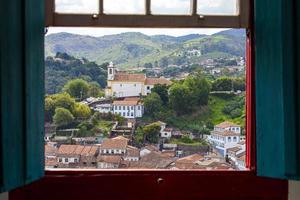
123 84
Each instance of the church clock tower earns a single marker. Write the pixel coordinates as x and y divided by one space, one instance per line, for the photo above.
111 70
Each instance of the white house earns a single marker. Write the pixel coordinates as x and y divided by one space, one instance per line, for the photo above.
224 136
229 126
122 84
69 154
113 146
129 108
108 162
103 108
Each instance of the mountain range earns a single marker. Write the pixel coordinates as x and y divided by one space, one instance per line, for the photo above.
132 49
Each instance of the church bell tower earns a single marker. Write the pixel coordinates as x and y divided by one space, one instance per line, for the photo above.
111 70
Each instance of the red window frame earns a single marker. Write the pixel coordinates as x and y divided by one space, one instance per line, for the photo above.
167 184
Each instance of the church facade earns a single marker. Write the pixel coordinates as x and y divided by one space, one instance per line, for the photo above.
123 84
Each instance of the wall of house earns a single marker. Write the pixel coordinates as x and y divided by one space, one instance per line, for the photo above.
123 89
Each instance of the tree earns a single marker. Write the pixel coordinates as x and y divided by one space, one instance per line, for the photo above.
179 98
63 100
199 88
148 65
77 88
81 111
119 119
62 117
162 91
239 84
49 109
152 103
95 90
222 84
151 132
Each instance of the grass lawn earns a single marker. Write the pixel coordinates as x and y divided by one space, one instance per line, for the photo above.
105 126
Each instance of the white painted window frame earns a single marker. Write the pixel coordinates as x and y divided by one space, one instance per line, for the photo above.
193 20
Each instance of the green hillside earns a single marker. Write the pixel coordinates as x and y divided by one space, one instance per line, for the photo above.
134 49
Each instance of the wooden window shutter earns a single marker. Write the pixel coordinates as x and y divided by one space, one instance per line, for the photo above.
277 44
22 92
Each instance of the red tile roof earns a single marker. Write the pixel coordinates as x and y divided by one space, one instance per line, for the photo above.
126 103
126 77
132 152
154 81
226 124
114 144
225 133
109 159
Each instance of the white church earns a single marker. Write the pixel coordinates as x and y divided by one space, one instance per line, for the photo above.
123 84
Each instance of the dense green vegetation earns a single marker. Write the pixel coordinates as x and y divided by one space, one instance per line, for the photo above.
64 110
62 68
191 106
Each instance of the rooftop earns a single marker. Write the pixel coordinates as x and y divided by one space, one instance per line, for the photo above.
126 77
226 124
225 133
109 159
154 81
126 103
114 144
133 152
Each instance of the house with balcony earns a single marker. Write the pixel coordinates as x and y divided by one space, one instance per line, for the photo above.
224 136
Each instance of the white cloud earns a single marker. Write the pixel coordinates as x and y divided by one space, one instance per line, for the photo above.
138 6
170 6
77 6
226 7
124 6
97 32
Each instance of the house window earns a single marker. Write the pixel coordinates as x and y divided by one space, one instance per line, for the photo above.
66 160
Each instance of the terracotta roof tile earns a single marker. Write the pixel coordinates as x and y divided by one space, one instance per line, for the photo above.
50 151
225 133
114 144
132 152
154 81
129 77
226 124
153 160
126 103
109 159
89 151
